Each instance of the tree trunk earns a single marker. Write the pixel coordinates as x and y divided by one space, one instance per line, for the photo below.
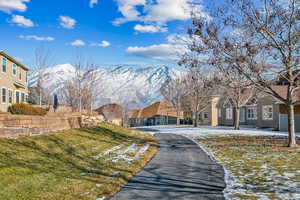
195 119
237 119
178 118
291 127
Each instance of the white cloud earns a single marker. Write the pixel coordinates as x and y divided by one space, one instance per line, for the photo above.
10 5
104 43
34 37
159 11
128 9
163 52
150 28
93 3
77 43
21 21
178 39
67 22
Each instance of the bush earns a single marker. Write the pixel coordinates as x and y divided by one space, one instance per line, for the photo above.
26 109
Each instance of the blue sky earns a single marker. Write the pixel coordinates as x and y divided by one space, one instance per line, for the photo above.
106 31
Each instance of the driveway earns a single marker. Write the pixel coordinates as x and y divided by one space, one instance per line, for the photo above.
179 171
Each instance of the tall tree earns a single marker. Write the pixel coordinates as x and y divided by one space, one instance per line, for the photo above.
173 92
260 39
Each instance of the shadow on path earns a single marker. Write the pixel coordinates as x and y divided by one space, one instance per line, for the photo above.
180 170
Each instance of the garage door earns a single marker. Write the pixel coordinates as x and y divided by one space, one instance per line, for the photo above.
283 122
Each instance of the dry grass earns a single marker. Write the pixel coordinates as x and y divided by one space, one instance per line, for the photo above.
263 165
62 165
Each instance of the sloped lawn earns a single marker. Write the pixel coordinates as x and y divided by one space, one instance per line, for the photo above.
262 166
86 163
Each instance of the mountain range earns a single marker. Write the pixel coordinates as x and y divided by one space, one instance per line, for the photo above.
129 85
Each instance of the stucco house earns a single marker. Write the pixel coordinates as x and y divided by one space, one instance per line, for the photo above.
13 81
159 113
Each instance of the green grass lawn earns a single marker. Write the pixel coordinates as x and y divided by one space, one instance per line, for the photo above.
263 166
63 166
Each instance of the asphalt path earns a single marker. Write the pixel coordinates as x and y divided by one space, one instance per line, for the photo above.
180 170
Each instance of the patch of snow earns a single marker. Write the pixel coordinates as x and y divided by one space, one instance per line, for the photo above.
101 198
98 185
107 152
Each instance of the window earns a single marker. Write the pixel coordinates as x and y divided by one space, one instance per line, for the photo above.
4 64
219 112
14 69
4 95
267 112
205 115
17 97
229 112
10 96
252 113
20 74
26 98
22 97
26 76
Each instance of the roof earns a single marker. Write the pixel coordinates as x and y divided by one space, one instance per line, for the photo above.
158 108
111 111
282 90
13 60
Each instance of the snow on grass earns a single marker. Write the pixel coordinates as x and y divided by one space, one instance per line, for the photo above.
256 167
209 130
107 152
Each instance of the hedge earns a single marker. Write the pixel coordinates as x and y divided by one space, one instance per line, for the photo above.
26 109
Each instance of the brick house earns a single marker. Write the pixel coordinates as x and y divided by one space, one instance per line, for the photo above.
13 81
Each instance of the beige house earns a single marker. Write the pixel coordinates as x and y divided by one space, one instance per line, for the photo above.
13 81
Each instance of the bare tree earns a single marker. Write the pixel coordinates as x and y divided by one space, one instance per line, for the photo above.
173 91
266 49
43 60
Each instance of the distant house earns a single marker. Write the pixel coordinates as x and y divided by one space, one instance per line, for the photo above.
208 116
112 112
13 81
160 113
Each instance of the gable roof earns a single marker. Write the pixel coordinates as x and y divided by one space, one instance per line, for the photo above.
2 53
158 108
282 90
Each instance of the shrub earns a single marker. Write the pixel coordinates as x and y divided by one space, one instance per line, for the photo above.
26 109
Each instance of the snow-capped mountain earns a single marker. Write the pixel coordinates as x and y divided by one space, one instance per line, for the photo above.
131 86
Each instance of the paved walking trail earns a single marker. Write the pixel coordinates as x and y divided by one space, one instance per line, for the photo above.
179 171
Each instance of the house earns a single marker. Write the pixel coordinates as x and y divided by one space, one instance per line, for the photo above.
159 113
262 111
112 112
13 81
209 115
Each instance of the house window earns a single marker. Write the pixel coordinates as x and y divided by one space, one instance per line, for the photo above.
26 76
219 112
17 97
229 112
252 113
26 98
4 64
267 112
10 96
205 115
22 97
14 69
4 95
20 74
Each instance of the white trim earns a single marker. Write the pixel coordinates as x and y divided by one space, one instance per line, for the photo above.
263 114
12 96
229 113
255 114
